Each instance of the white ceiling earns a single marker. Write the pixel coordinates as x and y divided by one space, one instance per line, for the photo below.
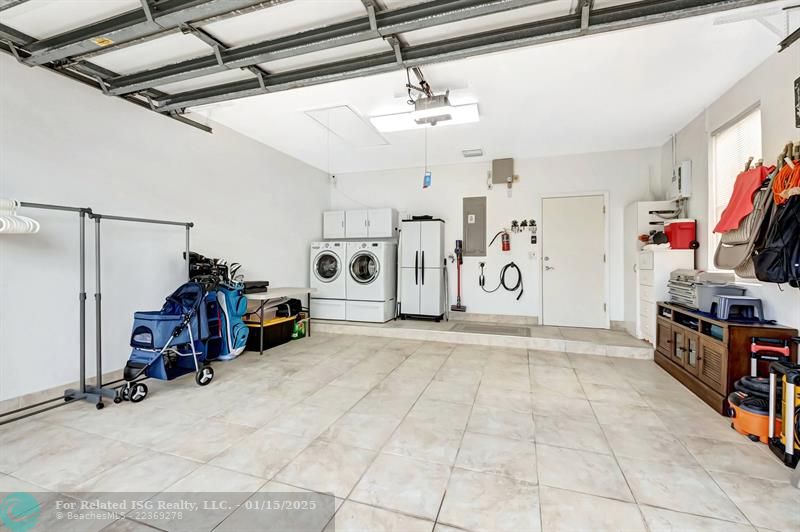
622 90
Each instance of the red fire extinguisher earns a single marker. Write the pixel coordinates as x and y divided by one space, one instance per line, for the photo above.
505 240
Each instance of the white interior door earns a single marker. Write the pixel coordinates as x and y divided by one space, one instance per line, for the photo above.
573 262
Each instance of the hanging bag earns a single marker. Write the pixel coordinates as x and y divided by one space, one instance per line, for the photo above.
779 259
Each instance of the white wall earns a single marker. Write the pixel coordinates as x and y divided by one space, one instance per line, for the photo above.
625 175
61 142
771 86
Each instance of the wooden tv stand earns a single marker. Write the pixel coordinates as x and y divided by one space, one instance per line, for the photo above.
708 355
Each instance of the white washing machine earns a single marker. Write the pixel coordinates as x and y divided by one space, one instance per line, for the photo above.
329 280
371 281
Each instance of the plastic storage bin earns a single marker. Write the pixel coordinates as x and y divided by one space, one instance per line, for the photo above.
276 331
681 233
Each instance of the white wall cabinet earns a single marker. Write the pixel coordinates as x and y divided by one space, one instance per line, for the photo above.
381 223
356 224
359 223
333 224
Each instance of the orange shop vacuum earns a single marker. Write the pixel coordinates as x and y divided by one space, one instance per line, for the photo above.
749 404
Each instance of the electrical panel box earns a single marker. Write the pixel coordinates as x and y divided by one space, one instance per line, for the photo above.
681 181
474 227
502 171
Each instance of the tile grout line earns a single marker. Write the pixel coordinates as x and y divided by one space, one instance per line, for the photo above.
705 470
613 453
708 473
458 451
536 446
334 421
272 478
378 451
616 458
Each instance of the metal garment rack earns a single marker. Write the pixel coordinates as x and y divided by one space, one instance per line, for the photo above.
86 392
99 390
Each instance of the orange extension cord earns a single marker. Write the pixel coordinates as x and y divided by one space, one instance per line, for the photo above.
787 178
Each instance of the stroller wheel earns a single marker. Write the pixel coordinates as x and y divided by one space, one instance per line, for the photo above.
124 393
138 392
204 376
99 406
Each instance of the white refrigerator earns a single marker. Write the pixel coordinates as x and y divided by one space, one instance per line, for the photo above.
422 268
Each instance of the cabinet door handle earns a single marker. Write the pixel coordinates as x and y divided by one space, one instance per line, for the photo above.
416 267
423 266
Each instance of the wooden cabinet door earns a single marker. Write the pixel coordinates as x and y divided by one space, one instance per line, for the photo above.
691 360
713 364
664 336
678 352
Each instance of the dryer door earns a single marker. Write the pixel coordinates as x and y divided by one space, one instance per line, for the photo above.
364 267
327 266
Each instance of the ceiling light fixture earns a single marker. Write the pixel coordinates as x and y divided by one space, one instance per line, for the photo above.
446 116
429 109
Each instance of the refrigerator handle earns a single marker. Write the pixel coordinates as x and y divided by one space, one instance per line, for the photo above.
423 266
416 267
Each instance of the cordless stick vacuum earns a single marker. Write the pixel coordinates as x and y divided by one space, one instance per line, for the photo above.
458 307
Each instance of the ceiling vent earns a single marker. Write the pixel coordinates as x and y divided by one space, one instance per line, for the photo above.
476 152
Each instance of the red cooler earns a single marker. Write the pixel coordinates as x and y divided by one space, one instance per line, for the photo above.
682 233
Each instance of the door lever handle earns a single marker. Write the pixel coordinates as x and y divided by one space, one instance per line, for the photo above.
549 268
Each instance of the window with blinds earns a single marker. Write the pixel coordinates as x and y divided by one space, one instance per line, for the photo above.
731 147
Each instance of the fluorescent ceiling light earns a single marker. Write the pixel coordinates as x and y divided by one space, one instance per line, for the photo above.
459 114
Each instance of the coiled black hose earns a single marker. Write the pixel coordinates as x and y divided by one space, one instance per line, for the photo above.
503 272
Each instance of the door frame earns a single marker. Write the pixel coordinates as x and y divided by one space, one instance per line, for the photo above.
606 243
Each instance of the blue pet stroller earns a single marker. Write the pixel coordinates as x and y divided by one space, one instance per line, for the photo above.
168 343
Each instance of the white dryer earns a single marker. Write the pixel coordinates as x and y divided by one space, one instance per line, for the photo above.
371 281
328 279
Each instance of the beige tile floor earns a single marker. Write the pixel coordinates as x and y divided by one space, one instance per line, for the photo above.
412 435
